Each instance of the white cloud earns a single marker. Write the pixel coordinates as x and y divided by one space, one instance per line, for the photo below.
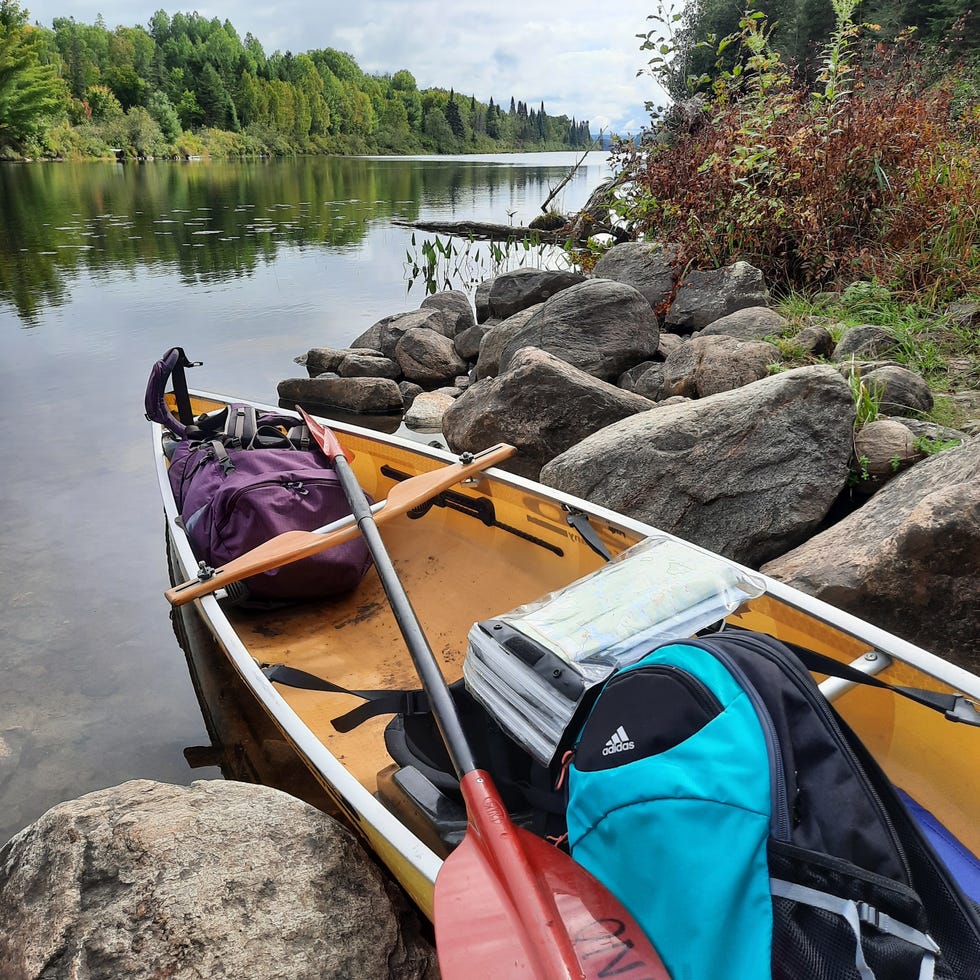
579 57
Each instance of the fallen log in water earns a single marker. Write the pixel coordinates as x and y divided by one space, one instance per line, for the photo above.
487 231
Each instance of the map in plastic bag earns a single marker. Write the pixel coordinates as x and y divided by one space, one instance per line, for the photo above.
660 588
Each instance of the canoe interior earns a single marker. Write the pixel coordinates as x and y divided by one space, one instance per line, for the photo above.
458 570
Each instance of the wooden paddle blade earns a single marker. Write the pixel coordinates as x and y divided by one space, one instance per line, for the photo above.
508 904
284 548
295 545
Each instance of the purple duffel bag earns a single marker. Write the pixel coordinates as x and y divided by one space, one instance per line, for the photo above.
231 500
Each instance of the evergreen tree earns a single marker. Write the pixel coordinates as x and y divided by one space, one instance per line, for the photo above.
493 121
453 117
30 91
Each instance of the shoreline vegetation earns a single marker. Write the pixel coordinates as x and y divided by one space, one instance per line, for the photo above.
851 156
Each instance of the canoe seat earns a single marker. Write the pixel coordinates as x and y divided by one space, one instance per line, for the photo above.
423 790
436 818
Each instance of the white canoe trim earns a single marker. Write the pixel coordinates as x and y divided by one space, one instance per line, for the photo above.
333 772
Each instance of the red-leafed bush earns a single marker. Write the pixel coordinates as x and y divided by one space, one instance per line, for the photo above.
872 174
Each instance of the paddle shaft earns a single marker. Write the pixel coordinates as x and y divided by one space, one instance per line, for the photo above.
440 698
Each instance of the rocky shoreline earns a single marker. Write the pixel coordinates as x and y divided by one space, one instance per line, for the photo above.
669 400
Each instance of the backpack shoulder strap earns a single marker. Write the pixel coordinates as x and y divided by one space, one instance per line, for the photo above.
170 366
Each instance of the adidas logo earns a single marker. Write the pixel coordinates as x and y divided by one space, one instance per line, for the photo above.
619 741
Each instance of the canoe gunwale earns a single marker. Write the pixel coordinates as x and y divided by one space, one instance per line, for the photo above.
876 638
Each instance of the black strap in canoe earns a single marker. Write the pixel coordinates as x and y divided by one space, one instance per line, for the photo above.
955 707
386 702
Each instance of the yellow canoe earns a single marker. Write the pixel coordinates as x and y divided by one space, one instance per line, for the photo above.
506 542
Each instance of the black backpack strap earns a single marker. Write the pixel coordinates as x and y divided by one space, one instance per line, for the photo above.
385 702
955 707
241 425
170 367
179 381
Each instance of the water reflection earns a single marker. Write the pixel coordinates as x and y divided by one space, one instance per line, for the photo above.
213 222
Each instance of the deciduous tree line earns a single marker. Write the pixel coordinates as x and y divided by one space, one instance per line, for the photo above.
184 78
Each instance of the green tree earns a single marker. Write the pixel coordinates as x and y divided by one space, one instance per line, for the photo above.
438 132
80 59
189 110
453 116
31 93
215 102
493 121
143 133
103 103
163 111
404 87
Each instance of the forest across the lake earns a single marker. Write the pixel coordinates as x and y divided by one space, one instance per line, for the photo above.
186 85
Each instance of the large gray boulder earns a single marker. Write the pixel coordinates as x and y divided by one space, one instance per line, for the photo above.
363 396
367 364
865 343
147 880
707 365
514 291
704 297
752 323
742 473
599 326
428 358
541 404
455 306
469 341
427 410
648 268
882 450
497 337
385 334
899 390
909 559
321 360
815 339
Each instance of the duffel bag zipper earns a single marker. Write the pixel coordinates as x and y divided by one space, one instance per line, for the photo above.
299 487
205 454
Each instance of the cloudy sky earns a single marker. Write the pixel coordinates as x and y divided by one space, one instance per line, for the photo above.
579 56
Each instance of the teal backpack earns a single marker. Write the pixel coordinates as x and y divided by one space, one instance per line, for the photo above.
715 791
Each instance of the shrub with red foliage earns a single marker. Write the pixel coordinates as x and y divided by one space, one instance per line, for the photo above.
884 184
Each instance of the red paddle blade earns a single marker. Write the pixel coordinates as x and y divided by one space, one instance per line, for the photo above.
324 437
508 904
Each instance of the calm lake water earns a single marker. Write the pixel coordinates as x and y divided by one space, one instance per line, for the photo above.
102 268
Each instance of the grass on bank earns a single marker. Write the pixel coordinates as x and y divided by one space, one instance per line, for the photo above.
938 346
